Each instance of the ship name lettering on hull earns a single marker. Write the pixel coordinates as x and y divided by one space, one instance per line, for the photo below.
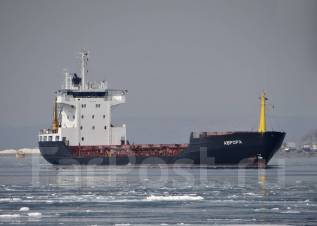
232 142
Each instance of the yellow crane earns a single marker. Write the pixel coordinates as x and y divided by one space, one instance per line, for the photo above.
55 119
262 122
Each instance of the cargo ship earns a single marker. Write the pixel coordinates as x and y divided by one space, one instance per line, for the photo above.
82 133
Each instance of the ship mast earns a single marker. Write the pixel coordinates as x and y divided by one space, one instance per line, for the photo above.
262 122
84 70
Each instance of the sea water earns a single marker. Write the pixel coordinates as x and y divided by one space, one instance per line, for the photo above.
33 192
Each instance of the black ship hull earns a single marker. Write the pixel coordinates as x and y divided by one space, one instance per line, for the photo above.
233 148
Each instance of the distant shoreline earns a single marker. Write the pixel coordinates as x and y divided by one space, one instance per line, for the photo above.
26 151
295 154
36 151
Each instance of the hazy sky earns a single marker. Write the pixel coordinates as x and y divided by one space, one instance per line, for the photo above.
188 65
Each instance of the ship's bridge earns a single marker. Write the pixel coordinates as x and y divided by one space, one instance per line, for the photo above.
82 112
117 96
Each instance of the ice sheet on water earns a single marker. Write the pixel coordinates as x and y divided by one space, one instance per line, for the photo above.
128 197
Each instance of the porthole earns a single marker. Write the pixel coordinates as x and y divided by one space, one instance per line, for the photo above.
105 127
82 139
93 127
82 116
81 127
93 116
104 116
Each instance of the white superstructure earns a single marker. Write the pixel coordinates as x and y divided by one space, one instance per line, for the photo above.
83 112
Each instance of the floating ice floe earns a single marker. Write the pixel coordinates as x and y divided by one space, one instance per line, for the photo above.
291 211
174 198
34 214
9 199
261 210
24 208
251 194
232 196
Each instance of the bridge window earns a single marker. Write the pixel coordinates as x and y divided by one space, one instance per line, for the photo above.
45 138
57 138
97 105
83 105
50 138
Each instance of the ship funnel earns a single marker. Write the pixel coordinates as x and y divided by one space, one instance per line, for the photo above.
55 120
262 122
